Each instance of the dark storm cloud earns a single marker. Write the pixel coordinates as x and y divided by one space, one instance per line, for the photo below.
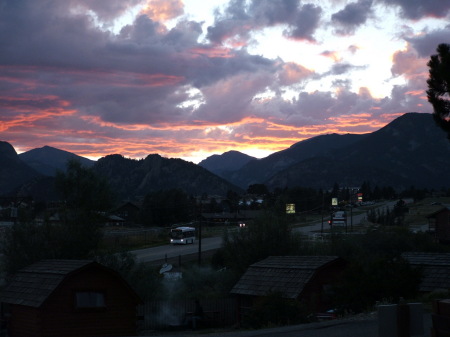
238 19
340 68
106 9
229 23
417 9
342 83
426 44
139 76
44 34
352 16
305 23
269 12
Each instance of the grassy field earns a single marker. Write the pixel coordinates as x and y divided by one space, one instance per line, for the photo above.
418 212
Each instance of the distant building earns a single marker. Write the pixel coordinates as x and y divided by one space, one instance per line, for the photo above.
69 298
231 218
439 224
128 211
114 220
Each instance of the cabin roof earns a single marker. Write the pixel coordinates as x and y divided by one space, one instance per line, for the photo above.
435 267
287 275
444 208
32 285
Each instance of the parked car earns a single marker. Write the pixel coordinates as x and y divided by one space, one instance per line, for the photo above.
327 315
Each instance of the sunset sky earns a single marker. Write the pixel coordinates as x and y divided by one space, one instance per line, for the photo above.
188 79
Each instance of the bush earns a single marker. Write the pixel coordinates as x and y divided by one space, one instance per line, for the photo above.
273 310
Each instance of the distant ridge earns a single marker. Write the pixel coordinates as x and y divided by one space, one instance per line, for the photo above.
226 162
259 171
48 160
13 172
410 151
136 178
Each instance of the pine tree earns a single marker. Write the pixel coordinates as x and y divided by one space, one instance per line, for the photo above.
439 86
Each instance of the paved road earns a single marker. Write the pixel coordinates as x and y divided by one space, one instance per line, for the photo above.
365 327
354 218
174 251
158 254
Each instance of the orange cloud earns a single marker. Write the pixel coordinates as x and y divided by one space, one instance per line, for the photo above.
365 92
415 93
163 10
28 109
407 63
365 122
275 137
334 55
293 73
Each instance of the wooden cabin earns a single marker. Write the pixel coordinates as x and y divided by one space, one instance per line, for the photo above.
435 268
69 298
300 278
439 224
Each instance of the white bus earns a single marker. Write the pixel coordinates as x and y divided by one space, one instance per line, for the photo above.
182 235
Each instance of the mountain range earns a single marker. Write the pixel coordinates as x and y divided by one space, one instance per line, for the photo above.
410 151
32 174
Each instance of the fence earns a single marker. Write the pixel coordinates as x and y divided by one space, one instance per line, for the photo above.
162 315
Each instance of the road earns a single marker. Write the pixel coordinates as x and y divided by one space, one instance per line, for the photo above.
365 327
358 326
171 252
162 253
337 328
354 218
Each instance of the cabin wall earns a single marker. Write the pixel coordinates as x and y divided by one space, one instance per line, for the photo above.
443 226
58 316
316 293
118 318
25 321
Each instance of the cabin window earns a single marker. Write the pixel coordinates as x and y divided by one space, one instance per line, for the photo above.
89 299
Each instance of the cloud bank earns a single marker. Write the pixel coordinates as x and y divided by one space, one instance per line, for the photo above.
137 77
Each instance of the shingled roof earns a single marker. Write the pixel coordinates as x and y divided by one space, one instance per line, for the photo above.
32 285
287 275
435 267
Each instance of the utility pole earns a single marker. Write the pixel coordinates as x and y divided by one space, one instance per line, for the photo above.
200 220
351 218
199 242
321 213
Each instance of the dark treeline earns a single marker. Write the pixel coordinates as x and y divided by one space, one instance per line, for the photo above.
167 207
